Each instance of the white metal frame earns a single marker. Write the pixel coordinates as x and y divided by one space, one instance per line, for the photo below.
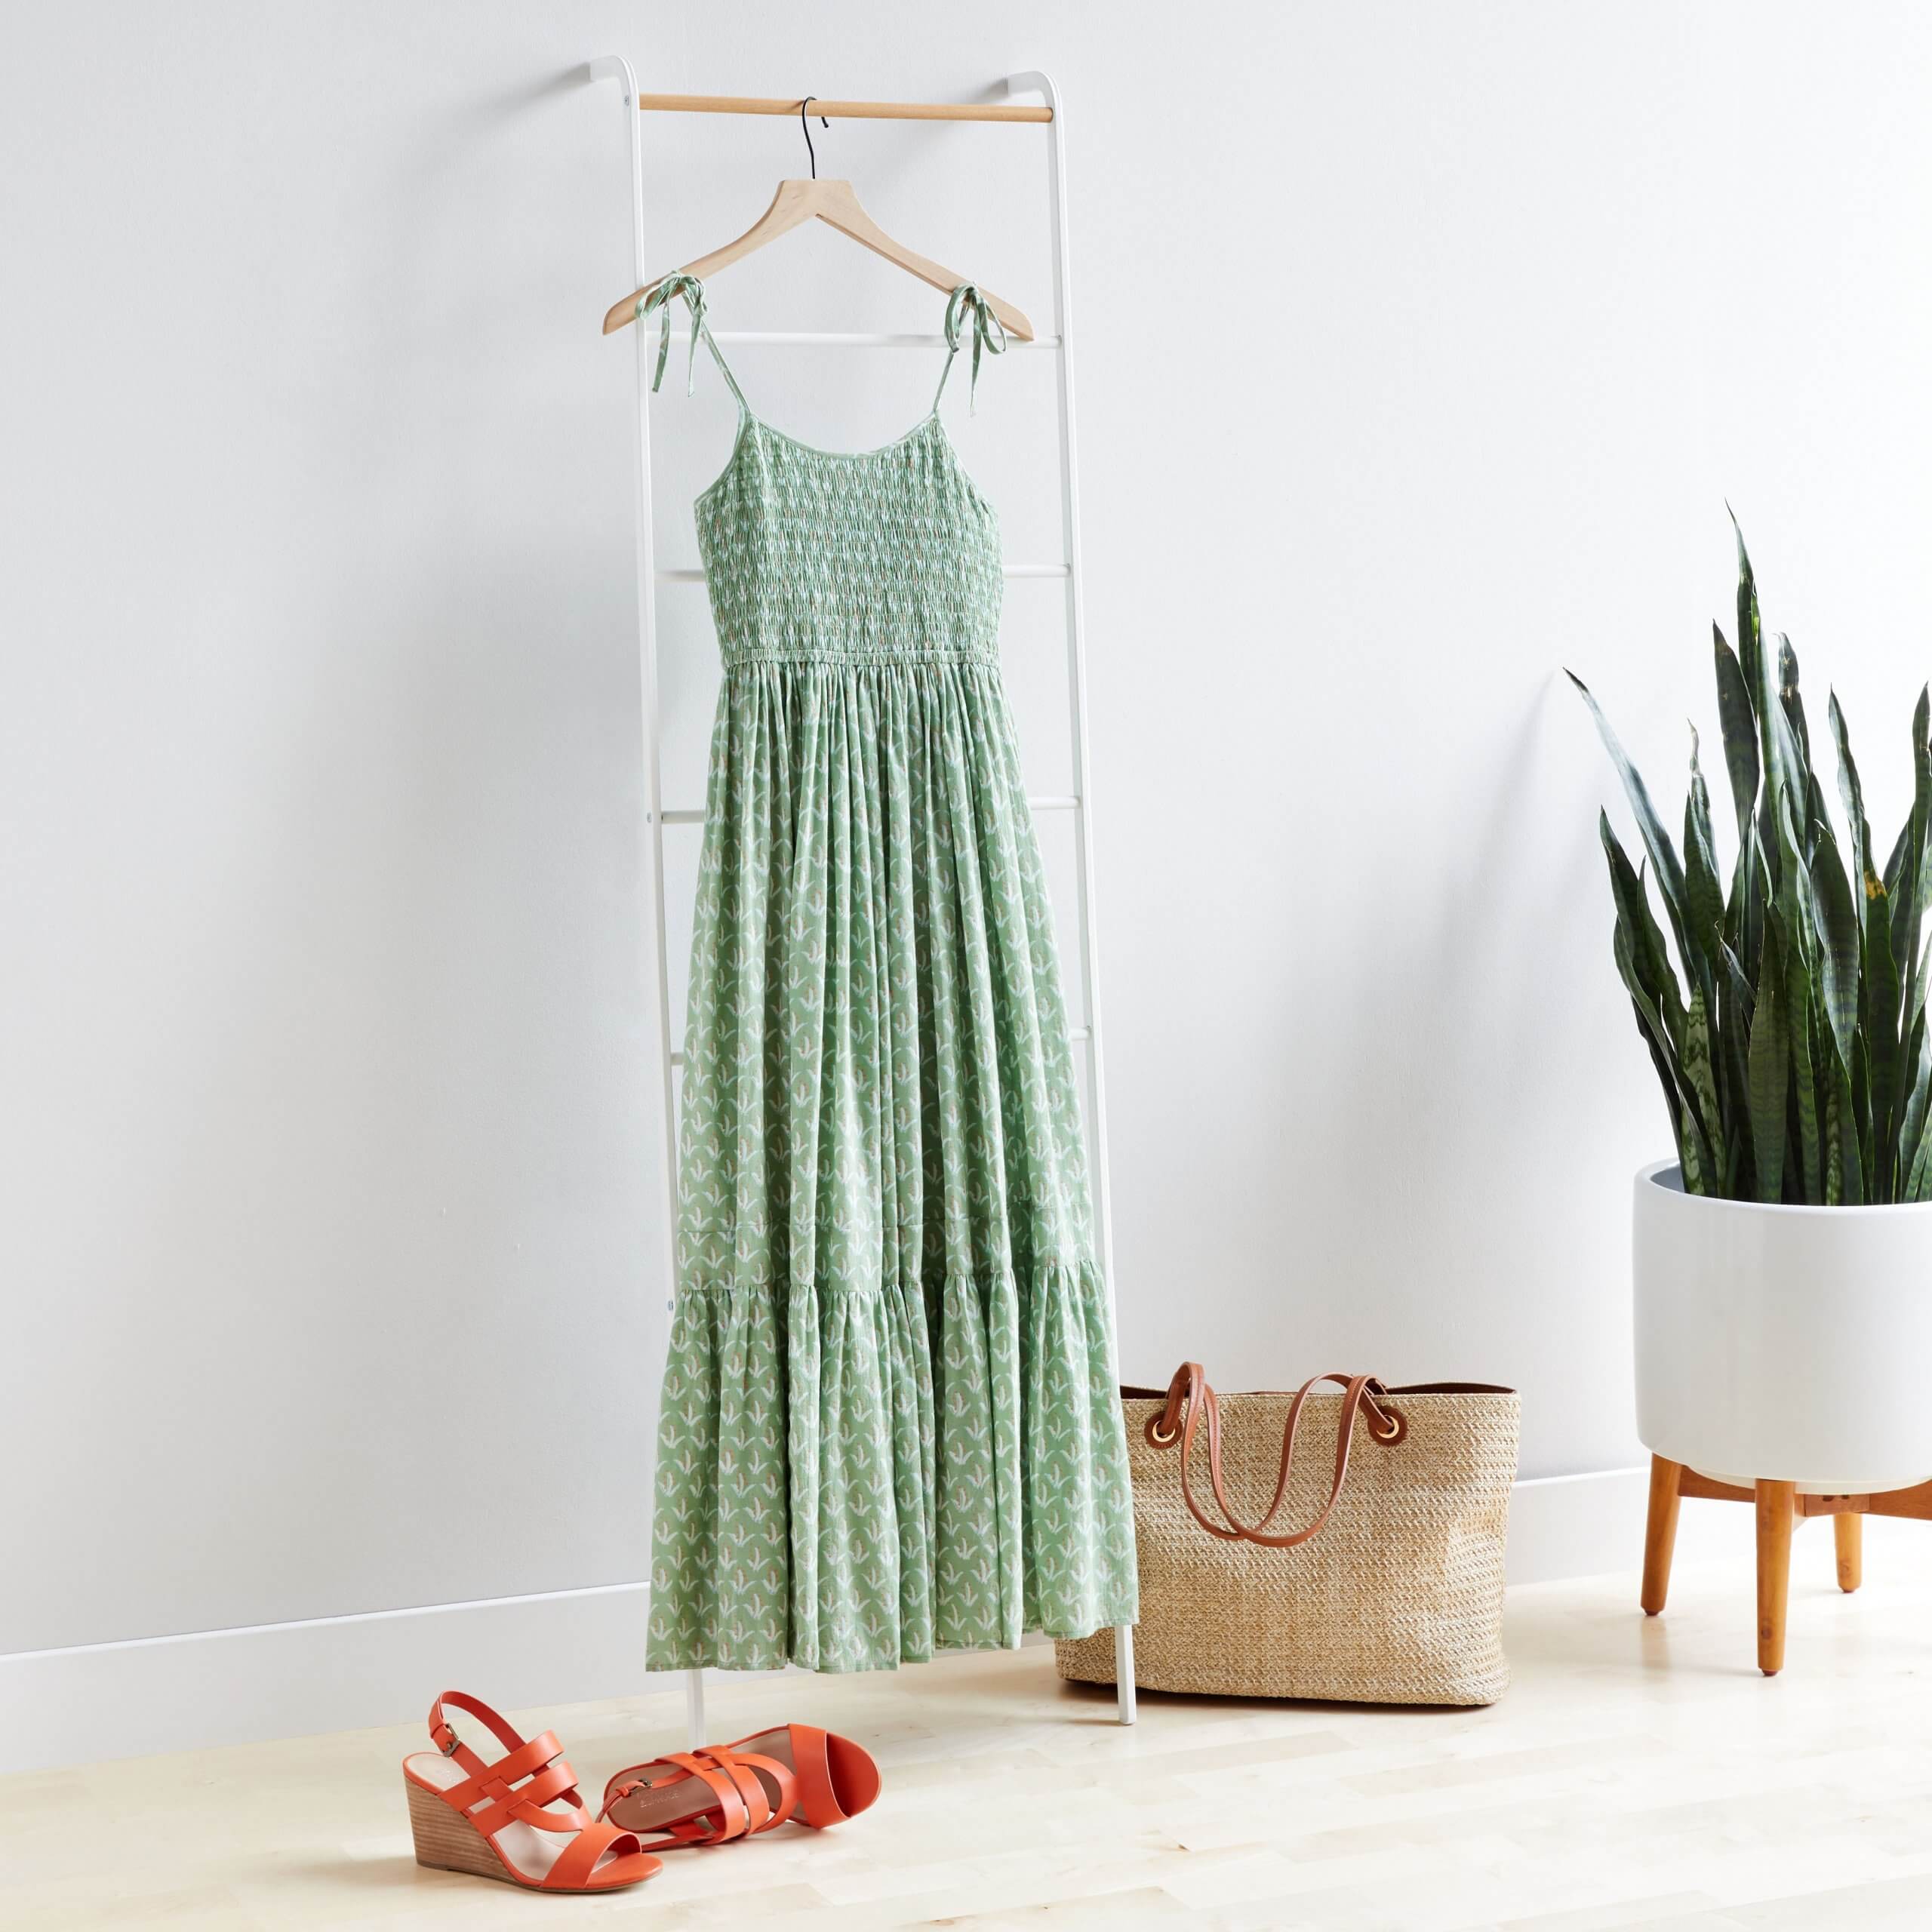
1079 802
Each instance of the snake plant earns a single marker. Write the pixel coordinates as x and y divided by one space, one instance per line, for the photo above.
1793 1050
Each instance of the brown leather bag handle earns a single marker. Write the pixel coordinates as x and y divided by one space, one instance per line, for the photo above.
1189 1400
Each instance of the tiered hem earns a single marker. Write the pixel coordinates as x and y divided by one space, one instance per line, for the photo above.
955 1452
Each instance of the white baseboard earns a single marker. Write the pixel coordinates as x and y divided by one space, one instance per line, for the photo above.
1591 1525
127 1700
328 1673
1577 1526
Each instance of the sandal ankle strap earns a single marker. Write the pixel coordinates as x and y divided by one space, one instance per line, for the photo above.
445 1739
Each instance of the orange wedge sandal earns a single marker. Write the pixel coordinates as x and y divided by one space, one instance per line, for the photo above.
722 1792
520 1820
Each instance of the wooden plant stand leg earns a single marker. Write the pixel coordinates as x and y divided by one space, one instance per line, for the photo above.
1779 1506
1660 1532
1848 1534
1777 1502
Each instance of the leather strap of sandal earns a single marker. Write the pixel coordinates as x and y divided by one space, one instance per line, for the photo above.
498 1798
1191 1401
780 1775
515 1789
578 1860
761 1815
446 1740
741 1807
818 1790
725 1818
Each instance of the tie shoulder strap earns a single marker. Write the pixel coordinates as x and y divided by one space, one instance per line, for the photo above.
1191 1404
658 298
968 310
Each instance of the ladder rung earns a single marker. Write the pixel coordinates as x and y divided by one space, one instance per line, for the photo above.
1075 1033
838 339
684 573
1058 801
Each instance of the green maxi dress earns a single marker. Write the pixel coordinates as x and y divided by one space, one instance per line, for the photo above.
889 1424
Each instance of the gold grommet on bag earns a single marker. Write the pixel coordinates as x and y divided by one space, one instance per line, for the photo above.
1160 1438
1399 1426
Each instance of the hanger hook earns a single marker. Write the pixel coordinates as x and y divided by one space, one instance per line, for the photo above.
807 130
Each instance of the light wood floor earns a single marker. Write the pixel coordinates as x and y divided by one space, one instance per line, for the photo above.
1638 1773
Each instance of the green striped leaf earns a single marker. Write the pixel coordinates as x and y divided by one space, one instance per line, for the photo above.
1918 1094
1919 1179
1793 704
1650 959
1744 918
1693 1153
1786 776
1861 1114
1769 1067
1693 1156
1832 1086
1851 793
1700 1073
1656 841
1905 884
1736 999
1703 891
1839 928
1895 864
1879 1033
1844 1177
1741 989
1740 733
1804 1023
1750 632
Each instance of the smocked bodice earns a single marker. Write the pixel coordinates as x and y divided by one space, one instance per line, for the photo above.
814 556
820 556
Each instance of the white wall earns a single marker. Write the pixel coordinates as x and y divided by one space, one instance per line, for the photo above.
1421 347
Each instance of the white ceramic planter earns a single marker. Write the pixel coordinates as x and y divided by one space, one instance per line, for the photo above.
1790 1343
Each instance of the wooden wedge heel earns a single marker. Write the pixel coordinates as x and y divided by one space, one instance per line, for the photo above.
445 1840
520 1821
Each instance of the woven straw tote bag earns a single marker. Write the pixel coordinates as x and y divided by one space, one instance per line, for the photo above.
1392 1591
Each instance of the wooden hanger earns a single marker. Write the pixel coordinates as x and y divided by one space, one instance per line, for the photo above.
798 202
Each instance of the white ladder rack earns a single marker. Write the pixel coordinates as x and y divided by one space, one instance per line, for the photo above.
1079 802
